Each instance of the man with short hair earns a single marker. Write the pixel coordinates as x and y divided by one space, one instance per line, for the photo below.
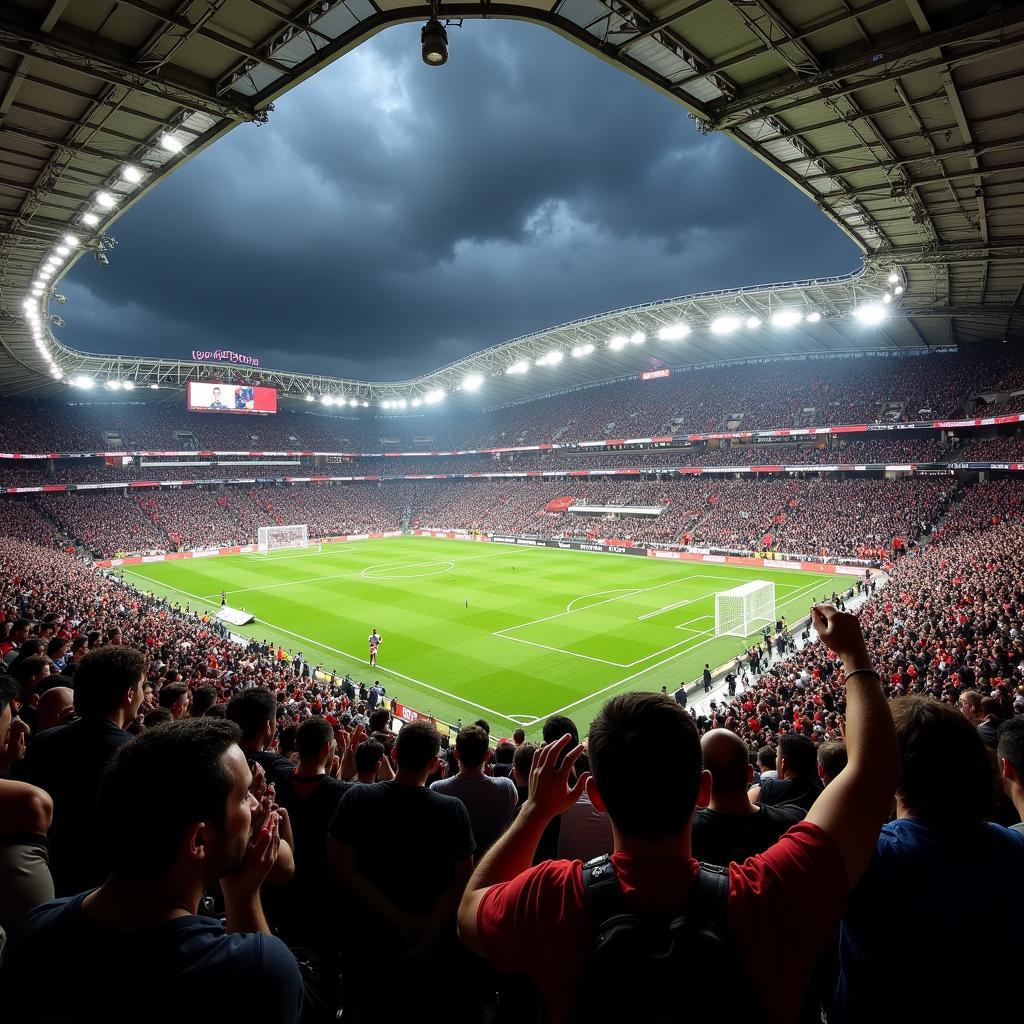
20 629
255 713
707 678
403 854
970 706
176 697
203 698
731 828
160 855
368 758
797 778
69 760
831 760
489 800
907 907
766 761
1010 752
646 762
992 717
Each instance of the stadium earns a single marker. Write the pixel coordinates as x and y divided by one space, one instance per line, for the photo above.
729 577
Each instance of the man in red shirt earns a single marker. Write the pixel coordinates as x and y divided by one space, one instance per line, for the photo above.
646 762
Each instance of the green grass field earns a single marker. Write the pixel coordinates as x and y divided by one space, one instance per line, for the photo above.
512 634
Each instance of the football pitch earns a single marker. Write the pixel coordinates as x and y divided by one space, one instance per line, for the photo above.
511 634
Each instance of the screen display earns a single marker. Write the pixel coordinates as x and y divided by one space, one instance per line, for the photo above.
204 397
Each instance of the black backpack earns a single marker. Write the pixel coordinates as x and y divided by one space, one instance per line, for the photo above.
660 969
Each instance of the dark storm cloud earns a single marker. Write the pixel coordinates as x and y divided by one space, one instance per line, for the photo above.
393 217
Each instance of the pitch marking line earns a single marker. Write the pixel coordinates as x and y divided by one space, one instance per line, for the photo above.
345 654
669 608
664 661
597 593
639 590
354 572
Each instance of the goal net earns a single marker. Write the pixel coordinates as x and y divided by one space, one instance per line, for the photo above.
742 610
273 538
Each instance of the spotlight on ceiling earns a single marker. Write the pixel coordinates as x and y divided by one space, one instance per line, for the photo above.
434 43
814 317
786 318
752 323
673 332
893 278
473 382
725 324
871 314
617 343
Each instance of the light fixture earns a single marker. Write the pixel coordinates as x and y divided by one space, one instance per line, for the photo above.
171 143
786 318
871 314
434 43
114 385
402 403
893 278
472 382
105 201
433 397
752 323
386 404
309 398
416 403
617 342
887 298
637 338
725 324
132 174
128 385
673 332
63 250
552 358
898 289
71 240
813 317
90 219
82 382
327 399
154 387
520 366
366 405
54 261
582 350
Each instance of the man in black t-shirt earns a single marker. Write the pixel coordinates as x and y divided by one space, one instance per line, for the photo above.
404 855
797 781
255 713
731 828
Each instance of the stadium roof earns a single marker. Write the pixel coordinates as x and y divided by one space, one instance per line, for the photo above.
901 119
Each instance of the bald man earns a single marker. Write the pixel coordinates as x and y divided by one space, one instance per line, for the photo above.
55 705
731 828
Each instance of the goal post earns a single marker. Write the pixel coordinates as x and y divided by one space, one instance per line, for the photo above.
744 609
274 538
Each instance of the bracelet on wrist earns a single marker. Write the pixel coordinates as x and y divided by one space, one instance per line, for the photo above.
860 671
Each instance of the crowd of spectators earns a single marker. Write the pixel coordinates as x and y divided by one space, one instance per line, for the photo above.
787 393
234 803
1001 448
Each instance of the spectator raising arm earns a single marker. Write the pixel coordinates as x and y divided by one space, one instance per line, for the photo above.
854 807
550 795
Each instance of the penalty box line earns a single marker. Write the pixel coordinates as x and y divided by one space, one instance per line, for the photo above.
345 654
650 668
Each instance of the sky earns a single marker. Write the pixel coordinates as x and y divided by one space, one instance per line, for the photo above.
393 217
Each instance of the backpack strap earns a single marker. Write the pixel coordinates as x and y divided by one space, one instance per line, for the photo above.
601 890
709 896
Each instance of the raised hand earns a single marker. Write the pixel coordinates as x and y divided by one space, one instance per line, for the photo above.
550 792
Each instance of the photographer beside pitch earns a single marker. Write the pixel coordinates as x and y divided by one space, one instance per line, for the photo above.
646 762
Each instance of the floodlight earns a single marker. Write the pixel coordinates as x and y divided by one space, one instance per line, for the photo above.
582 350
171 143
309 398
637 338
82 382
813 317
786 318
725 324
154 387
553 357
871 314
71 240
434 43
887 298
521 366
898 289
132 174
63 250
416 403
366 404
105 201
673 332
472 382
893 278
752 323
435 396
617 343
90 219
402 403
327 399
128 385
114 385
